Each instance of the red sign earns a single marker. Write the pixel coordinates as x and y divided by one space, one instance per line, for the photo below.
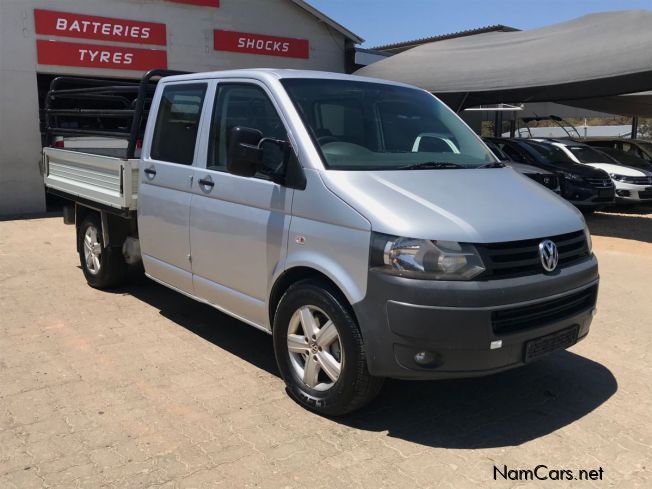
201 3
245 42
97 56
105 28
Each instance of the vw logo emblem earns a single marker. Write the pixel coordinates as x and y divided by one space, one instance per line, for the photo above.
549 255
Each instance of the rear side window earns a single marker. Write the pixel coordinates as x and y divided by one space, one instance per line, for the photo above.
177 123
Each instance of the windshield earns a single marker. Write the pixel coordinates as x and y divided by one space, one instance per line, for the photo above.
551 153
375 126
586 154
623 158
647 147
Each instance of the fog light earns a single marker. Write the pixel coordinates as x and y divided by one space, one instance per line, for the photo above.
424 358
494 345
623 193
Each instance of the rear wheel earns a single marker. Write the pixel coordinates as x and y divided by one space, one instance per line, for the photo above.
320 352
103 267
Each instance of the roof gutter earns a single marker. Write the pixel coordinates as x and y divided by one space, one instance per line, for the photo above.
328 21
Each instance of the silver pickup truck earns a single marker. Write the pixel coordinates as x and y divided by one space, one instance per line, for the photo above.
358 221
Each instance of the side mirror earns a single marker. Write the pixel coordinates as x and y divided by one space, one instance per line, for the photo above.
249 152
244 157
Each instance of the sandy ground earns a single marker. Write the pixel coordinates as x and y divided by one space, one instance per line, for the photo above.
143 387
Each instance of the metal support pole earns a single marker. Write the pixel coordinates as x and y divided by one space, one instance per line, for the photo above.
498 124
634 127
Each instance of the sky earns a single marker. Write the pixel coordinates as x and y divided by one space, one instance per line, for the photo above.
387 21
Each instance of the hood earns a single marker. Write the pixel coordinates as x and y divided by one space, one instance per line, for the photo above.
575 168
621 169
476 206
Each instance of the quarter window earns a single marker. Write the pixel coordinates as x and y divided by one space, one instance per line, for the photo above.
177 123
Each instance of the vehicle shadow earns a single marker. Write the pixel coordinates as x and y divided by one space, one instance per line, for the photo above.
506 409
623 222
225 332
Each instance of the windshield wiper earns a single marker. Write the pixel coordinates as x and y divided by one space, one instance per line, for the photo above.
432 165
495 164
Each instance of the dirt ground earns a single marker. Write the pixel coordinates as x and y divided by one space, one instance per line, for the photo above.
142 387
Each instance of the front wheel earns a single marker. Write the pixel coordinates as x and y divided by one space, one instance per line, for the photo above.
320 352
103 267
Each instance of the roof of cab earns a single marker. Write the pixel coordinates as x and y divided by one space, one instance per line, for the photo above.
277 74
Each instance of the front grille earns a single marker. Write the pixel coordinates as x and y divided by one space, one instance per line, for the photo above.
600 182
549 181
637 180
518 319
514 258
645 195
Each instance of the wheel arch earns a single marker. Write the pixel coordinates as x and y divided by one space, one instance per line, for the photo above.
294 275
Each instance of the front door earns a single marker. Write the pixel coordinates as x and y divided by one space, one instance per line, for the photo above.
239 225
166 175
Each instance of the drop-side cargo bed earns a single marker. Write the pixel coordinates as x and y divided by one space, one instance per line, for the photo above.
105 180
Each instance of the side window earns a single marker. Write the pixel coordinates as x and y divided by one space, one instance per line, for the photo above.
247 106
513 154
177 123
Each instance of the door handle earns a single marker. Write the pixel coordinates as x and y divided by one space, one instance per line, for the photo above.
151 171
207 182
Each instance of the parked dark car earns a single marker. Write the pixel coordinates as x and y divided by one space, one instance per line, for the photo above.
547 178
585 187
627 159
635 147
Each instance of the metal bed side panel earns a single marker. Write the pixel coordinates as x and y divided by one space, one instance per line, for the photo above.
94 177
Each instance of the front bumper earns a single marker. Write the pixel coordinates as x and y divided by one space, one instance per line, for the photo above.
455 322
629 192
586 196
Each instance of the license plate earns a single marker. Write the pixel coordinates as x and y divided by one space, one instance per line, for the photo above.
552 342
605 193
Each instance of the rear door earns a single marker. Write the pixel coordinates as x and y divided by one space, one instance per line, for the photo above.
166 175
239 225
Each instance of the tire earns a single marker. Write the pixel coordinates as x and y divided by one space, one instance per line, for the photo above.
324 392
103 267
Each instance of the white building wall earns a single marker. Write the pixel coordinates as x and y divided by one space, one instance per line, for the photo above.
189 48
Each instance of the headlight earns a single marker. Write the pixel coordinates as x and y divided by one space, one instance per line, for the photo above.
572 176
615 176
589 242
424 258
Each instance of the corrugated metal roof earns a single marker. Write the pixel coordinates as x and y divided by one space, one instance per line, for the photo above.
405 45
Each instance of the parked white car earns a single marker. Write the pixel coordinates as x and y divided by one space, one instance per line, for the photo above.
633 185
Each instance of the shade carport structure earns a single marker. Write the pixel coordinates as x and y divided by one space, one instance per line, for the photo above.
591 57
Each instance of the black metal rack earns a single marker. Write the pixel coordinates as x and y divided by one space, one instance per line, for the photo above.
105 108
